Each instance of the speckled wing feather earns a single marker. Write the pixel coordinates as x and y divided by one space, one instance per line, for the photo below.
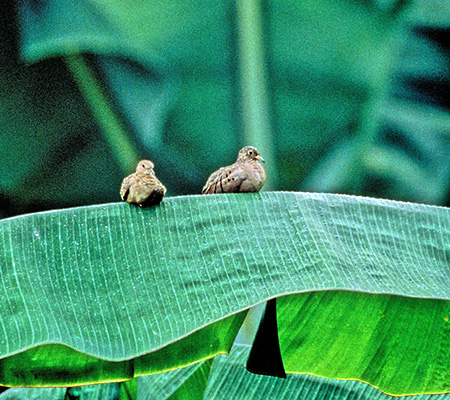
226 180
155 196
125 188
142 189
152 189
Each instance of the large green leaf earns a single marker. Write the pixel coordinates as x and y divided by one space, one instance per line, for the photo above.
34 394
117 283
397 344
229 380
107 391
57 365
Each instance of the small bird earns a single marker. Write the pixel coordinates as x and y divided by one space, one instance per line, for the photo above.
143 187
245 175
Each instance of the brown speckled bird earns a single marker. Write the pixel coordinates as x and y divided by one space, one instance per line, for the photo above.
245 175
143 187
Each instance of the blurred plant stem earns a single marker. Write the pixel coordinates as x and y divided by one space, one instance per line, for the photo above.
257 130
122 147
379 84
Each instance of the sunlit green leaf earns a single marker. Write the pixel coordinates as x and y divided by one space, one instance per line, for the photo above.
230 380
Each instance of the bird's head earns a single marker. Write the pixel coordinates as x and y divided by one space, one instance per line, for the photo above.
249 153
145 166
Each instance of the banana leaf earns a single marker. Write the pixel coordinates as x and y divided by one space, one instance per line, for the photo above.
109 292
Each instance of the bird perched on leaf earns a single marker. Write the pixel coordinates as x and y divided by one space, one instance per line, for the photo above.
245 175
143 187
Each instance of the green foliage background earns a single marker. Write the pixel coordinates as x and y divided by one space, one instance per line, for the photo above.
339 95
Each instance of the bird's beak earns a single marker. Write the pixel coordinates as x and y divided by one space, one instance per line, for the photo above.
258 157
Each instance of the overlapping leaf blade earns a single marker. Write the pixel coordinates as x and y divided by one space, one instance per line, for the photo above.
229 380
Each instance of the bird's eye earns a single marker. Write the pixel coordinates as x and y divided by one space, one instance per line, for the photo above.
250 152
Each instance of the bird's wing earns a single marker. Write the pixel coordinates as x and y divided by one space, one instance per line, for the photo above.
225 180
151 182
125 188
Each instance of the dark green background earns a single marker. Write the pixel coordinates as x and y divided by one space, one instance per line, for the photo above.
355 96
